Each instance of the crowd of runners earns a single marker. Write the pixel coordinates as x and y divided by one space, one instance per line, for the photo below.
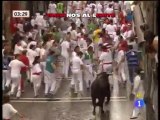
87 46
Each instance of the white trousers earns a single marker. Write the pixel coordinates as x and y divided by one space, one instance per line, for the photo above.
50 82
88 75
121 73
36 79
43 64
65 66
16 80
6 79
77 80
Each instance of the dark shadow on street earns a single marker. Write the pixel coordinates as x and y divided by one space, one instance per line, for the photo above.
105 116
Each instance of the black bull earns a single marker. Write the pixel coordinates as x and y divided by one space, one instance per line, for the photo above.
100 89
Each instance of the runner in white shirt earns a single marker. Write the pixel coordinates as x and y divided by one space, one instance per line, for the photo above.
121 66
109 9
8 111
78 22
79 7
88 71
127 6
31 54
111 29
65 52
129 33
73 37
85 10
99 8
36 75
16 66
138 88
82 43
76 68
33 21
52 8
18 48
106 3
69 7
105 60
116 7
31 42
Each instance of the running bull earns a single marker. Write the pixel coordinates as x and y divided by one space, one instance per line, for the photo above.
100 89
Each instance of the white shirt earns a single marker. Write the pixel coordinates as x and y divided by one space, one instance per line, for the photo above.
104 25
8 111
109 10
18 49
110 28
31 43
32 22
49 44
36 68
74 54
82 44
78 22
73 35
127 5
16 66
78 7
52 8
39 20
69 29
76 63
42 53
31 54
105 57
23 44
106 3
87 10
65 46
38 51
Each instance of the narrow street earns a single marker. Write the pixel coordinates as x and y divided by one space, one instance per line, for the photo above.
66 106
